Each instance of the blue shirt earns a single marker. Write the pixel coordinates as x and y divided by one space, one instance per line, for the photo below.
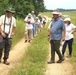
57 27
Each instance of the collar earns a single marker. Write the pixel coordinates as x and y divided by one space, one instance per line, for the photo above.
57 19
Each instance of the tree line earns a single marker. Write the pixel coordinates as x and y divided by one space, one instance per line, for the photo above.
22 7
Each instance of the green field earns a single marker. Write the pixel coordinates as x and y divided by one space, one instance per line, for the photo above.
36 55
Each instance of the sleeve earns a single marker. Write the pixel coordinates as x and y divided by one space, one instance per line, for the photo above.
25 19
49 25
33 20
0 21
73 26
14 24
63 25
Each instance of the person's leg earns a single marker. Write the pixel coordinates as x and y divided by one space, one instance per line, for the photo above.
7 50
70 42
30 34
57 46
33 30
1 54
26 35
64 47
52 53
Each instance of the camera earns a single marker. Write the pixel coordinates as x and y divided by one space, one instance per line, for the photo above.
28 22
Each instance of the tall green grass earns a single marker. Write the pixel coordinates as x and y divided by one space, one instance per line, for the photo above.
20 28
34 61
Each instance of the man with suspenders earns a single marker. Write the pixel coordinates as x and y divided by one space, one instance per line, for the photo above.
7 30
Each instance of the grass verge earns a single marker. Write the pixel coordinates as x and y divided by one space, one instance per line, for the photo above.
34 61
20 28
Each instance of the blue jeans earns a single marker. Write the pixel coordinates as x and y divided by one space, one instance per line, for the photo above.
69 42
35 26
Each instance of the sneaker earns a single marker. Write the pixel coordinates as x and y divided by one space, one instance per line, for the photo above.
50 62
68 56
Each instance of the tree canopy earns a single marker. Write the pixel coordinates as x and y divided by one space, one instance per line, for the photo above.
22 7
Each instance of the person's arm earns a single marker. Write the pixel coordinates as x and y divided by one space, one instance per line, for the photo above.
64 35
1 32
14 28
74 31
13 31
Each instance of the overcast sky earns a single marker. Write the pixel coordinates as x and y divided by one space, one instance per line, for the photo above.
54 4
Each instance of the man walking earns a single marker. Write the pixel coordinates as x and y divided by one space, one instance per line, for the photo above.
28 28
7 30
56 29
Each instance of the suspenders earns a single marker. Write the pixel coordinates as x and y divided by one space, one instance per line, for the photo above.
9 24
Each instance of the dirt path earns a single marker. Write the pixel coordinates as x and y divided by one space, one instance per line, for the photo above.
15 55
64 68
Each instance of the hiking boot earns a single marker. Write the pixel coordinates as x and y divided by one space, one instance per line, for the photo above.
50 62
60 60
6 63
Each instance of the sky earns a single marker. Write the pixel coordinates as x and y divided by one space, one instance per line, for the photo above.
65 4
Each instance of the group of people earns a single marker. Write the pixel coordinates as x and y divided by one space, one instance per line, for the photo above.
8 28
60 30
34 24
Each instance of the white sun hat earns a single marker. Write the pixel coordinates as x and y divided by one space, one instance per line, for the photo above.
29 15
67 19
55 12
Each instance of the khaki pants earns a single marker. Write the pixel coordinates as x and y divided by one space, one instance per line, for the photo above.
28 34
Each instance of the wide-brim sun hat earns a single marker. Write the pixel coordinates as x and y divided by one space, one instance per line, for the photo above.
67 19
29 15
55 12
10 10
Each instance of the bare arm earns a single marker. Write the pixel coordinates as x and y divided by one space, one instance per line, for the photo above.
74 31
64 34
13 31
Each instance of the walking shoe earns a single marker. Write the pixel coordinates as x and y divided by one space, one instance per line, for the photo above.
60 60
5 62
25 41
50 62
29 41
68 56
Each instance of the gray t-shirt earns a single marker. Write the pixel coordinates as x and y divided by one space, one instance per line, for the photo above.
57 27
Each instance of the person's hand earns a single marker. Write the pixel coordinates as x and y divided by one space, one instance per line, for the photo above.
12 33
63 38
3 34
48 37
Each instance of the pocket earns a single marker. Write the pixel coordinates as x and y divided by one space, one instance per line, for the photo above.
1 39
1 42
